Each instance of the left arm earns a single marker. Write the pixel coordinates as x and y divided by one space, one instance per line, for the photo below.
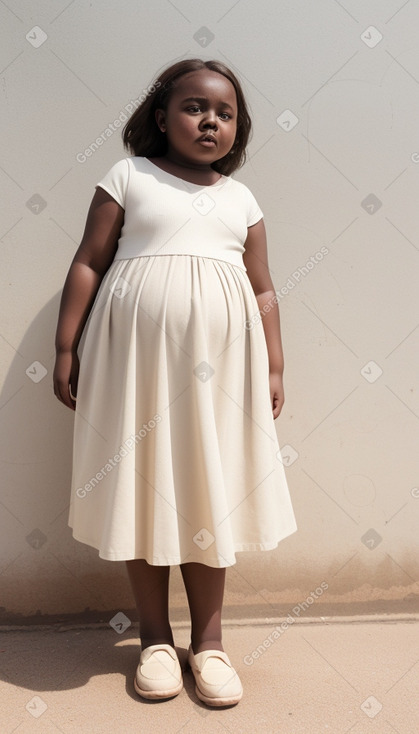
255 259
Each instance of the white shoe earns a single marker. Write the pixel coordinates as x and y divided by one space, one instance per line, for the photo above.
216 681
158 674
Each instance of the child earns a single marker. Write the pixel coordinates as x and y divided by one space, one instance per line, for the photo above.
176 459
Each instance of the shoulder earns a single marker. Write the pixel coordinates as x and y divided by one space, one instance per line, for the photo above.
241 188
128 164
118 170
116 180
238 184
121 171
131 165
243 194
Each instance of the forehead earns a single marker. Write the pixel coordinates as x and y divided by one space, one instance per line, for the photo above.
206 83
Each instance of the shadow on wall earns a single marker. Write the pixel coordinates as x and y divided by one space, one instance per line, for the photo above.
44 572
48 577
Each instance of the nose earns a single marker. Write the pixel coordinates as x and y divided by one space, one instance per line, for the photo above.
210 120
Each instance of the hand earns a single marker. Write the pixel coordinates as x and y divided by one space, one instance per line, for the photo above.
66 373
277 393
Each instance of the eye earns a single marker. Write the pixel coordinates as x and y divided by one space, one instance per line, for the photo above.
225 115
194 108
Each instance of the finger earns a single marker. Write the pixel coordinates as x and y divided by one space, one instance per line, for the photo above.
71 400
62 393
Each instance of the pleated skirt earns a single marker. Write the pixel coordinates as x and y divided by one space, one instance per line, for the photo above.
175 452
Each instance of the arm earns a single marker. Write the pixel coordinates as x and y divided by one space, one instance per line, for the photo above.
256 261
91 261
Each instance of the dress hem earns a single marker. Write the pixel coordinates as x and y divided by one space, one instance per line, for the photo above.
213 562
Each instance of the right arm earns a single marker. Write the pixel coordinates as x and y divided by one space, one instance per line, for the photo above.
91 261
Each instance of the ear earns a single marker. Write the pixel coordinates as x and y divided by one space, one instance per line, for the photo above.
160 119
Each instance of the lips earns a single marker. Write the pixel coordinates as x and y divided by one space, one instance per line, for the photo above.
208 138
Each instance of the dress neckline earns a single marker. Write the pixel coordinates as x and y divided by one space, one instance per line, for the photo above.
223 179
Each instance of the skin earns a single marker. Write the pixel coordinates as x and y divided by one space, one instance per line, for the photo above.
188 118
183 123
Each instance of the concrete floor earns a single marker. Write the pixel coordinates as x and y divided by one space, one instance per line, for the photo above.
357 676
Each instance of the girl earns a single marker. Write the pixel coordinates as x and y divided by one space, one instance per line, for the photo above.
176 459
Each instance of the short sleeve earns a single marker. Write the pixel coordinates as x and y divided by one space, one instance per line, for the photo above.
254 212
115 181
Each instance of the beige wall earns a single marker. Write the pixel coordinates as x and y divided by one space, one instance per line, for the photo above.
350 321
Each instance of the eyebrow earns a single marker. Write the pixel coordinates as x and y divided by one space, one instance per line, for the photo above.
205 99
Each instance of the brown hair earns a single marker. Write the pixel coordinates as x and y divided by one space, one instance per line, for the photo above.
142 136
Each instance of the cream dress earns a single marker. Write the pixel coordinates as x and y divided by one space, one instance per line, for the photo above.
175 452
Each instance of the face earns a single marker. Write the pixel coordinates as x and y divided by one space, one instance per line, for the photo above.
203 103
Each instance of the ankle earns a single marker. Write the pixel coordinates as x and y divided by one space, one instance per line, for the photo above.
149 641
202 645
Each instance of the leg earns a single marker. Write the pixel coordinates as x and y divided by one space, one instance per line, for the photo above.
150 586
205 591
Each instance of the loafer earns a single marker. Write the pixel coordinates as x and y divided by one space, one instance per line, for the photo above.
216 681
158 674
